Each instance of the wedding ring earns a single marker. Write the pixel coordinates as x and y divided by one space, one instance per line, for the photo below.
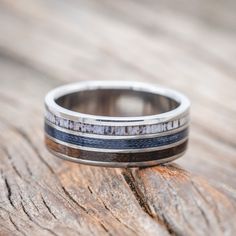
116 123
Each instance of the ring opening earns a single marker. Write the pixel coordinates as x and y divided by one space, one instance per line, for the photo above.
117 102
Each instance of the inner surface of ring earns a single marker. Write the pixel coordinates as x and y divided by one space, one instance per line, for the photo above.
117 102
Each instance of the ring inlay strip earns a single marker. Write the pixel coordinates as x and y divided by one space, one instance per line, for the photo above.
116 130
116 157
117 143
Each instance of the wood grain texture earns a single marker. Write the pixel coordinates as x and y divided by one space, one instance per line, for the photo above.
186 45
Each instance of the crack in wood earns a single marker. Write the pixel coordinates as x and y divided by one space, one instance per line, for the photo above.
130 180
73 200
9 192
90 190
24 210
84 209
105 228
49 209
15 226
11 161
109 210
35 222
33 204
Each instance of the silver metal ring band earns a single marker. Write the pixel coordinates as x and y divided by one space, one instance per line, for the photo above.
119 119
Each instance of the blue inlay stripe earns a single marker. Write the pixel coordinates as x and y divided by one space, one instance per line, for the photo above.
115 143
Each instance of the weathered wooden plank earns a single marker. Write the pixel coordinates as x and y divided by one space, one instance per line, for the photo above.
208 103
33 172
40 194
46 43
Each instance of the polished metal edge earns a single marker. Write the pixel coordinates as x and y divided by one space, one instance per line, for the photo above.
102 136
116 150
51 105
128 122
117 164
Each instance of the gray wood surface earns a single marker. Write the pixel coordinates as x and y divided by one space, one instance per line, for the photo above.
186 45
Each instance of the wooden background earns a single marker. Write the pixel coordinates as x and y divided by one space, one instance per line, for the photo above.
183 44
